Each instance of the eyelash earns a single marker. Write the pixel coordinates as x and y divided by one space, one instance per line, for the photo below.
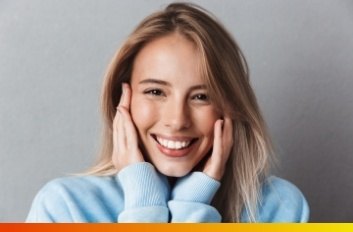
201 97
159 93
154 92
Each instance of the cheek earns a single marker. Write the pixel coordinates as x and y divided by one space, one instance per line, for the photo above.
143 113
205 121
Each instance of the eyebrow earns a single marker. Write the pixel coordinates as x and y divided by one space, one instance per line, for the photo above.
160 82
154 81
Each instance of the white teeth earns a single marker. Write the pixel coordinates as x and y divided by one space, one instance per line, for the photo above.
178 145
175 145
164 143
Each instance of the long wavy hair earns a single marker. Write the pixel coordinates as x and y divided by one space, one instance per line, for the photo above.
226 75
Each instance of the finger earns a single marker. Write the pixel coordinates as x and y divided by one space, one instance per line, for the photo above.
122 96
126 96
115 131
213 166
129 128
227 133
217 141
121 132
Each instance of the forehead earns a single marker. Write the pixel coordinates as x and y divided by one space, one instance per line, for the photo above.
170 58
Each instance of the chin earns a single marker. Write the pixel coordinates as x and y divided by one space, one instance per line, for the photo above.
173 172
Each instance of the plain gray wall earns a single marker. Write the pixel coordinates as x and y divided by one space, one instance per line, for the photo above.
53 55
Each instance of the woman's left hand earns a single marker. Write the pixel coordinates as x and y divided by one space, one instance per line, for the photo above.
222 145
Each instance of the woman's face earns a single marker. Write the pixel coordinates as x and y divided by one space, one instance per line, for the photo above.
170 105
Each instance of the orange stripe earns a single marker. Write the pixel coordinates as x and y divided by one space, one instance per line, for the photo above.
274 227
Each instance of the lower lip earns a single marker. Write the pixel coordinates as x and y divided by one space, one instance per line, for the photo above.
175 153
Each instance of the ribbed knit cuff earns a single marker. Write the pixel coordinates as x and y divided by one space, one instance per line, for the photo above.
196 187
143 186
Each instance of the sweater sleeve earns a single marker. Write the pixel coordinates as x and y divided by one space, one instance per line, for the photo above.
191 198
145 194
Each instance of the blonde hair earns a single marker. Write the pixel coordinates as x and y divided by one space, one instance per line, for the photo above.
226 74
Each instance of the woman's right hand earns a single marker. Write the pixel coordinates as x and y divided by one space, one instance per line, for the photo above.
125 140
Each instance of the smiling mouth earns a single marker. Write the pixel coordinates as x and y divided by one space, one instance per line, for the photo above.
174 144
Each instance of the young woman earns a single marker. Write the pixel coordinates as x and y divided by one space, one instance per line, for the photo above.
184 140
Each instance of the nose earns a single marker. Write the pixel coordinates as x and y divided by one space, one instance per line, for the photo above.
176 115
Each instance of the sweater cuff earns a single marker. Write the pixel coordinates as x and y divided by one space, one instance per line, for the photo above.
195 187
143 186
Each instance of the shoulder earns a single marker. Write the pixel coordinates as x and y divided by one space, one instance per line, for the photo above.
65 198
282 201
77 185
282 190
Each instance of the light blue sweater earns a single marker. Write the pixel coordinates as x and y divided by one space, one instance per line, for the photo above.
138 193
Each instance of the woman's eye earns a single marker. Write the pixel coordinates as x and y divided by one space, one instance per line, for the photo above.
154 92
201 97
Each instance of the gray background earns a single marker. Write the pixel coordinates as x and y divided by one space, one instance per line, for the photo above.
53 55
